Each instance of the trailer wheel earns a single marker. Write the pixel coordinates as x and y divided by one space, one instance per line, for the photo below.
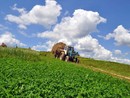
55 55
67 58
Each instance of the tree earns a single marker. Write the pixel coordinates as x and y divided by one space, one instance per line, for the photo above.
3 45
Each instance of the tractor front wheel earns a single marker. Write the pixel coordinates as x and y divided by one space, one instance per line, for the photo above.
67 58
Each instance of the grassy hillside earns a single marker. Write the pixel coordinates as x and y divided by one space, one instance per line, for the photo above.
98 65
40 76
20 53
112 67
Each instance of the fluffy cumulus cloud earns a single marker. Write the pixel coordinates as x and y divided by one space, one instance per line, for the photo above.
43 15
79 25
117 52
120 60
10 40
120 35
76 31
46 46
90 47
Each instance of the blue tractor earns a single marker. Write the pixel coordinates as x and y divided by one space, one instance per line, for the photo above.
69 54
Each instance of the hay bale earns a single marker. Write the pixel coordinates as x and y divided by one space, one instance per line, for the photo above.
57 49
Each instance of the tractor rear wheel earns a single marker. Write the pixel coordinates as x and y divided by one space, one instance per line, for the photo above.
67 58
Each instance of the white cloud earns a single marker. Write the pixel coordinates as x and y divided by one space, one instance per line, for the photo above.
90 47
10 40
117 52
42 15
20 10
66 13
44 47
81 24
76 31
2 27
21 26
40 47
25 34
120 60
120 35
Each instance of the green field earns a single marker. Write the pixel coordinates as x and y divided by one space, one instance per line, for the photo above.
29 74
112 67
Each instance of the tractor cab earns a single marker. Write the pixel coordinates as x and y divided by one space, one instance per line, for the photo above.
69 50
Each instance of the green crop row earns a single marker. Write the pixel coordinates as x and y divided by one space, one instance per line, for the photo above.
56 79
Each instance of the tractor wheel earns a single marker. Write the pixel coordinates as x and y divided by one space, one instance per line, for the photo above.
77 60
67 58
62 55
55 55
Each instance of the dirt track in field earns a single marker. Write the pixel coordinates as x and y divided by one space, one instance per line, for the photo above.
113 74
109 73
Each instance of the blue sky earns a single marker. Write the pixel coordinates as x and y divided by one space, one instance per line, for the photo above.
97 29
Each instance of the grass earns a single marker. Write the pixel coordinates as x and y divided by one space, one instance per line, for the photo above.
31 74
113 67
21 53
30 55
